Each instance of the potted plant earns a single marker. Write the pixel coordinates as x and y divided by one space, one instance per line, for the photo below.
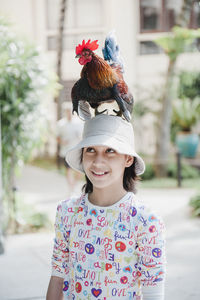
186 114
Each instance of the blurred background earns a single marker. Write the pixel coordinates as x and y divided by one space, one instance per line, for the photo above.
160 43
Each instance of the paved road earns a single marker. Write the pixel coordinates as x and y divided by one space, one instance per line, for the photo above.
25 266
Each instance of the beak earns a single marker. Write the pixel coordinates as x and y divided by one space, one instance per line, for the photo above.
77 56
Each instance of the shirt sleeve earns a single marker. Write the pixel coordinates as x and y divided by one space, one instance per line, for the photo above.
153 293
151 260
60 255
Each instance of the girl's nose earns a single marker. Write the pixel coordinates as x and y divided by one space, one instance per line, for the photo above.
98 160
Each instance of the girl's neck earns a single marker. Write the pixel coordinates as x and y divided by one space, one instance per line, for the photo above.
103 197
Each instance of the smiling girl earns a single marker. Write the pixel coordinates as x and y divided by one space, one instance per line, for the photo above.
108 245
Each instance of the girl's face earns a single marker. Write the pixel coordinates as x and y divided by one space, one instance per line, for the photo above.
104 166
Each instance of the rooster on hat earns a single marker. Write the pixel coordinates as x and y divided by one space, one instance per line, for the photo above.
101 80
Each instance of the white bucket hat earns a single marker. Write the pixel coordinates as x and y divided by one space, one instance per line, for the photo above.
110 131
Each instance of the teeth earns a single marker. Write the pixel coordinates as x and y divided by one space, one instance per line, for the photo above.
100 173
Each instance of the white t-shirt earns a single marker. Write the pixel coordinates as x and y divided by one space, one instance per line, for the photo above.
69 132
109 253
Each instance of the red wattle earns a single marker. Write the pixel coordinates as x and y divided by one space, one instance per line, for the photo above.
82 61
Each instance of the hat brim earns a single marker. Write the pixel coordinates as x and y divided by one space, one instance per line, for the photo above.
73 156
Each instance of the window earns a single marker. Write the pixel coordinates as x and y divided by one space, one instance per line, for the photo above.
149 47
160 15
83 18
172 10
150 15
195 15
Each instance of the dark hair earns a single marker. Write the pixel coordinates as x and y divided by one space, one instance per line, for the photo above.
129 180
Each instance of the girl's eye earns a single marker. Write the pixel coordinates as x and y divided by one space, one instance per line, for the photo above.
90 149
110 150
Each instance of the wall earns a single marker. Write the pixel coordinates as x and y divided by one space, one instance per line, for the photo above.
144 71
21 14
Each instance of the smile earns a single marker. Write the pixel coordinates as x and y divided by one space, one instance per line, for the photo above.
99 174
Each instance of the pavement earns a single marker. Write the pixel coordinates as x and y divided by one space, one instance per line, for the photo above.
25 265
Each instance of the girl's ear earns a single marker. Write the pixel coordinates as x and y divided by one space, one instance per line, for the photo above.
129 160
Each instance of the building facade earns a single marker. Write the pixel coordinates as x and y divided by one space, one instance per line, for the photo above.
137 24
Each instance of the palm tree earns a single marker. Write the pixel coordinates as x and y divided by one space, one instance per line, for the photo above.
173 46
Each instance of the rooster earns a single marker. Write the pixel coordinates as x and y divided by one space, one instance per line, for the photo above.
101 80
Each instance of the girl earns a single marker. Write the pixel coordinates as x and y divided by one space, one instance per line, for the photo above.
108 245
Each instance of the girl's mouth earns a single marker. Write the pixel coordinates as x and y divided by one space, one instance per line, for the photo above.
99 174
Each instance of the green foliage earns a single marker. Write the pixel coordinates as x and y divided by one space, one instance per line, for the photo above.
173 44
23 81
27 218
169 182
149 172
47 163
186 113
175 128
176 42
189 85
187 171
195 204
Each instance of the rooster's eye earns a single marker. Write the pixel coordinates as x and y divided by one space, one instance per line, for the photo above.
86 53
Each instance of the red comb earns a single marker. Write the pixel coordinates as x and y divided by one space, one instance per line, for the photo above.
89 45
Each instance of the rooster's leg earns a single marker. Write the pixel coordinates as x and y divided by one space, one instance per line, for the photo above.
99 112
121 104
118 113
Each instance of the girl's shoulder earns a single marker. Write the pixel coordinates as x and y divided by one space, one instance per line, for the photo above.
70 205
145 214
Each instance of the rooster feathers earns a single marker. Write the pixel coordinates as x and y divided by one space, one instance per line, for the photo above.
111 52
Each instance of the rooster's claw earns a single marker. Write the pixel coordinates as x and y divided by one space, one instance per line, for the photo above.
127 115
